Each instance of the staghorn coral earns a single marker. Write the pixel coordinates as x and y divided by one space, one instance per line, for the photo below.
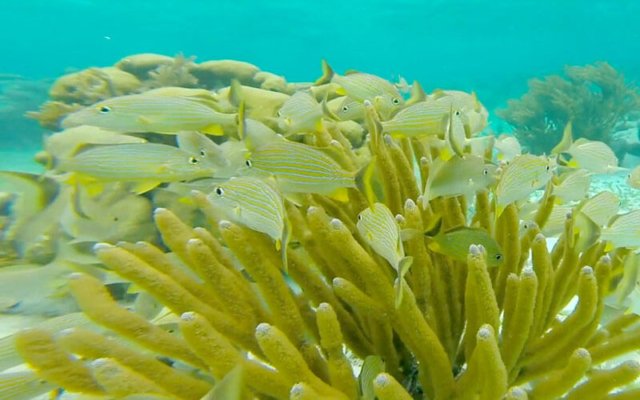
594 97
464 330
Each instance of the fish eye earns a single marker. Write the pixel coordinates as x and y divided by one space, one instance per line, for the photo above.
548 168
104 109
219 191
345 108
498 257
202 153
485 172
248 163
193 160
457 112
395 101
359 217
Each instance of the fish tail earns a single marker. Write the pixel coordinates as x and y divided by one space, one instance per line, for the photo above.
241 121
327 74
364 181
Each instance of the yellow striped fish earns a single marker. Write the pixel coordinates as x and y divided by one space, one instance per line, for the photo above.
572 185
458 176
299 168
22 385
469 106
600 208
146 164
624 231
426 118
346 109
594 156
380 230
254 203
361 86
524 175
152 113
300 113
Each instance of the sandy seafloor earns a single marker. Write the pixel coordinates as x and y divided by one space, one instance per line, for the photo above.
22 160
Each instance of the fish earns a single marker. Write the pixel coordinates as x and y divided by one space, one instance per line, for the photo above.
346 109
600 208
458 176
371 367
152 113
360 86
507 147
455 135
455 243
256 204
426 118
111 216
623 231
299 114
299 168
23 385
379 229
572 185
633 178
592 155
260 103
476 115
203 148
146 165
31 289
525 174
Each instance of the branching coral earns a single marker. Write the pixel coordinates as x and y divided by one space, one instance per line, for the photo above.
466 330
594 97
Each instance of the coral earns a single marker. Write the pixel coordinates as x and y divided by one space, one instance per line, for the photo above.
93 84
594 97
176 73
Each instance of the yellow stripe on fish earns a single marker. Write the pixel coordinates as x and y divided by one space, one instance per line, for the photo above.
380 230
152 113
426 118
147 164
299 168
256 204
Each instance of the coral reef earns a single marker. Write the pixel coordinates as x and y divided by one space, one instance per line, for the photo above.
211 306
595 98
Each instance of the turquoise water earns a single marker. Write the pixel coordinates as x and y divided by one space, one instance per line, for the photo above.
492 47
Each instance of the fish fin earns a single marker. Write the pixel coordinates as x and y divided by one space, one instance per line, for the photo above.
76 203
327 74
326 111
477 107
340 194
398 286
214 129
286 236
417 94
351 72
341 92
296 198
434 227
94 189
364 181
319 125
438 93
143 187
235 93
237 211
566 141
241 121
404 265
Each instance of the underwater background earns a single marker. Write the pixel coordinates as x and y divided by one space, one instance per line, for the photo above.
491 47
340 200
